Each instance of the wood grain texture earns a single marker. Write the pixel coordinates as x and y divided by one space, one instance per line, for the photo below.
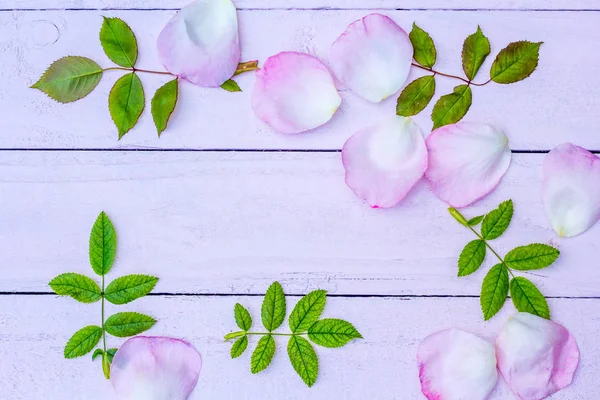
558 103
234 222
382 366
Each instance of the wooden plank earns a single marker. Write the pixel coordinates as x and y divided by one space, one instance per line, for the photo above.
382 366
558 103
234 222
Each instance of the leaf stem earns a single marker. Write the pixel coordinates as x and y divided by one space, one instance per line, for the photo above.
450 76
137 70
275 334
103 330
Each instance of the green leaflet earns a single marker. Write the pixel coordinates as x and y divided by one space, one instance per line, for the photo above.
111 354
424 48
239 346
515 62
304 359
163 104
263 354
532 256
307 311
476 48
497 221
527 298
83 341
69 79
331 332
78 286
97 353
242 317
273 307
126 102
494 290
452 107
130 287
118 42
475 221
231 86
125 324
415 97
103 245
471 257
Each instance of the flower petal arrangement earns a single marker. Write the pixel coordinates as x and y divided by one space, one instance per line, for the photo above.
384 161
571 189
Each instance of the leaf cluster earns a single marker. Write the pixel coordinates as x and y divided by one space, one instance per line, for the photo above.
303 321
123 290
513 63
497 282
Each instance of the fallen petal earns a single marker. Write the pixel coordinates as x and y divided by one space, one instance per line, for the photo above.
201 43
372 57
537 357
384 161
456 365
294 92
155 368
571 189
467 160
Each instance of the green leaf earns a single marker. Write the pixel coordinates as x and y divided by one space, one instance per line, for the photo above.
532 256
527 298
129 287
239 346
471 257
307 311
475 221
126 102
103 245
452 107
415 97
332 332
273 307
494 290
97 353
515 62
425 53
69 79
476 48
231 86
458 216
125 324
118 42
234 335
78 286
304 359
111 354
497 221
242 317
263 354
83 341
163 104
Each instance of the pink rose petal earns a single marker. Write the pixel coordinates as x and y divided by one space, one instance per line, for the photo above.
201 43
294 92
456 365
571 189
467 160
155 368
372 57
384 161
537 357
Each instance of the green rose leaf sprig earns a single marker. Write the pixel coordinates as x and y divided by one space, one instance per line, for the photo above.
72 78
514 63
123 290
501 277
303 321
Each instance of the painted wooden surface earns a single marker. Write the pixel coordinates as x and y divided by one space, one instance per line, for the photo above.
218 226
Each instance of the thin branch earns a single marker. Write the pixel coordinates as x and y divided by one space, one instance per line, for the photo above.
450 76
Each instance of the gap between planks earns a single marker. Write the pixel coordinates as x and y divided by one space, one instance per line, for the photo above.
241 150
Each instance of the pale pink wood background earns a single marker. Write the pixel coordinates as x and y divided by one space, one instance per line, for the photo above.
218 219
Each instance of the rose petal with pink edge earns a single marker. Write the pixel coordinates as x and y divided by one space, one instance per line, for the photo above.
155 368
456 365
372 57
467 160
571 189
201 43
384 161
536 357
